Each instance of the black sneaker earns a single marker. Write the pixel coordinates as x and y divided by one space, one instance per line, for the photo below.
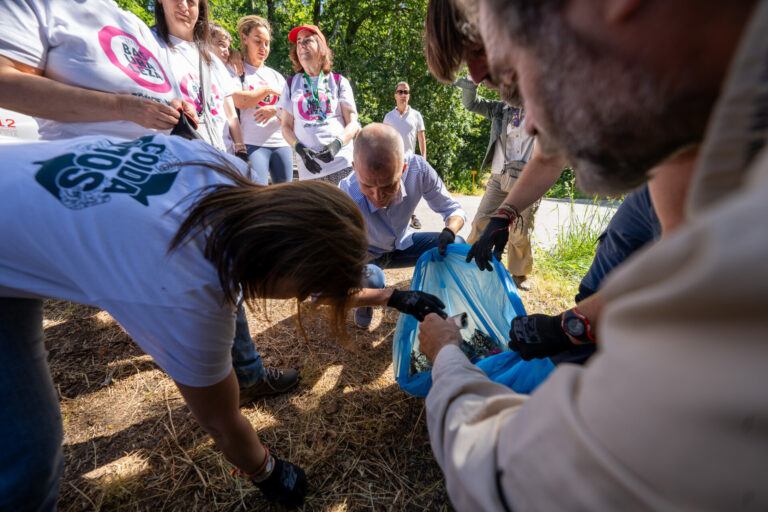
415 222
275 381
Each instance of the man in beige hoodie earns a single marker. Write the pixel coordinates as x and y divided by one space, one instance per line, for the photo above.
672 412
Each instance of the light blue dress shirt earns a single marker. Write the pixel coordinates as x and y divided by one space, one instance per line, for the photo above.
389 227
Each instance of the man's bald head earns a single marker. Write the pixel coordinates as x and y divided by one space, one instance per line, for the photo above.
378 162
379 147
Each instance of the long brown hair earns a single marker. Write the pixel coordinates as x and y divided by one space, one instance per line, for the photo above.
202 32
326 56
447 32
308 231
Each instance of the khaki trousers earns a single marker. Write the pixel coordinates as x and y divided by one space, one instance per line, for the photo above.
519 256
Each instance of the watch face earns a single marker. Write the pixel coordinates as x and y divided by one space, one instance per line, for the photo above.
574 326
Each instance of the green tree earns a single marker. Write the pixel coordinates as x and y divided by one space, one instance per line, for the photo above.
141 8
376 44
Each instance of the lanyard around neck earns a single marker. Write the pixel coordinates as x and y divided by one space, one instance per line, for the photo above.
314 94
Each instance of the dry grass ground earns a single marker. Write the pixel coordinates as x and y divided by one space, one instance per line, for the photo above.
131 444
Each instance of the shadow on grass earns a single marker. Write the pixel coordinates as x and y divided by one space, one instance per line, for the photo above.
362 441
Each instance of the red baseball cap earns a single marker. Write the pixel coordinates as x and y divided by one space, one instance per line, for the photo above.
293 34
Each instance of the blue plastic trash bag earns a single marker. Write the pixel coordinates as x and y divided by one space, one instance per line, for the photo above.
491 302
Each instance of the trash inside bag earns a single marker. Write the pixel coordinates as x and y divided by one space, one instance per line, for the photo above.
490 300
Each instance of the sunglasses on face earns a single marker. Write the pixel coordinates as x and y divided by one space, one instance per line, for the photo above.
400 91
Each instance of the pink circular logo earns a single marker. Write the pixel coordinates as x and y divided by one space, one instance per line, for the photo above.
126 53
190 91
310 114
269 99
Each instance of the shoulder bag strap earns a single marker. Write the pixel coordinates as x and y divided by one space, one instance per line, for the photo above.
205 84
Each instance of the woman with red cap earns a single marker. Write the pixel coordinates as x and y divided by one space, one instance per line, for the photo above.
319 114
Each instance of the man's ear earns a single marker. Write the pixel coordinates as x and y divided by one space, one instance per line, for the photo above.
618 11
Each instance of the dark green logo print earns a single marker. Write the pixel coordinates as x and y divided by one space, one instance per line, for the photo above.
90 175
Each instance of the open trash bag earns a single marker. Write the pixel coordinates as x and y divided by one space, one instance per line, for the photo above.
491 302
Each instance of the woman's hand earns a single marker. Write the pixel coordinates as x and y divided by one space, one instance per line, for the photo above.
264 114
147 113
189 108
270 91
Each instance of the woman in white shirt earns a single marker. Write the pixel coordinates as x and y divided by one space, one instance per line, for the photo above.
319 115
182 30
268 151
166 248
84 68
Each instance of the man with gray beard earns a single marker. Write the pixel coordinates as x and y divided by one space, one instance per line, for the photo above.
642 217
671 412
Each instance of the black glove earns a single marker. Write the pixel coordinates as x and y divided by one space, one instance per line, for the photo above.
418 304
186 126
494 237
287 484
446 237
309 157
329 151
537 336
242 155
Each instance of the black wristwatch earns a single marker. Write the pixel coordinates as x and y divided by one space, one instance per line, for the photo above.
577 326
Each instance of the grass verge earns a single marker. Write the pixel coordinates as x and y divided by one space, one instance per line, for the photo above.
568 260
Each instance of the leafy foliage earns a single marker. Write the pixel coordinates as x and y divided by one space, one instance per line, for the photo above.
376 44
572 253
141 8
565 186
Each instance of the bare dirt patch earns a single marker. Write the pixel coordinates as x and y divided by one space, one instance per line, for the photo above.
131 444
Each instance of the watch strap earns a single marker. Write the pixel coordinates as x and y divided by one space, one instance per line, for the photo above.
587 336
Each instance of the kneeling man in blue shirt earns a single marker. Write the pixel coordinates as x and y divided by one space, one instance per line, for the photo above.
387 186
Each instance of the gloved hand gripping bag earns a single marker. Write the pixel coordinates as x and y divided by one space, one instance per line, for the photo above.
490 300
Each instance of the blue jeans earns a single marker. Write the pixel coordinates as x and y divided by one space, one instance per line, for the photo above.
31 432
277 161
633 225
246 360
422 242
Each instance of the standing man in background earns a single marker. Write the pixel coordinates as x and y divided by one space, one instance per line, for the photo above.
410 124
509 150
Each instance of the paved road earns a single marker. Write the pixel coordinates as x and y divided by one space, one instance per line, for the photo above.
553 216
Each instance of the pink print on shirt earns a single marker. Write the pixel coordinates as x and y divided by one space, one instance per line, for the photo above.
269 99
215 100
127 54
307 112
190 91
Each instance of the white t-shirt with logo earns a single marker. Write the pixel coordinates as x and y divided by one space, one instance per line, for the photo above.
409 125
15 127
185 66
311 128
520 145
94 45
262 134
105 211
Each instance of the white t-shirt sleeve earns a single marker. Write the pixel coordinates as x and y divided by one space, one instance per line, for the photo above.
223 77
24 33
346 95
284 102
281 84
420 123
192 345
